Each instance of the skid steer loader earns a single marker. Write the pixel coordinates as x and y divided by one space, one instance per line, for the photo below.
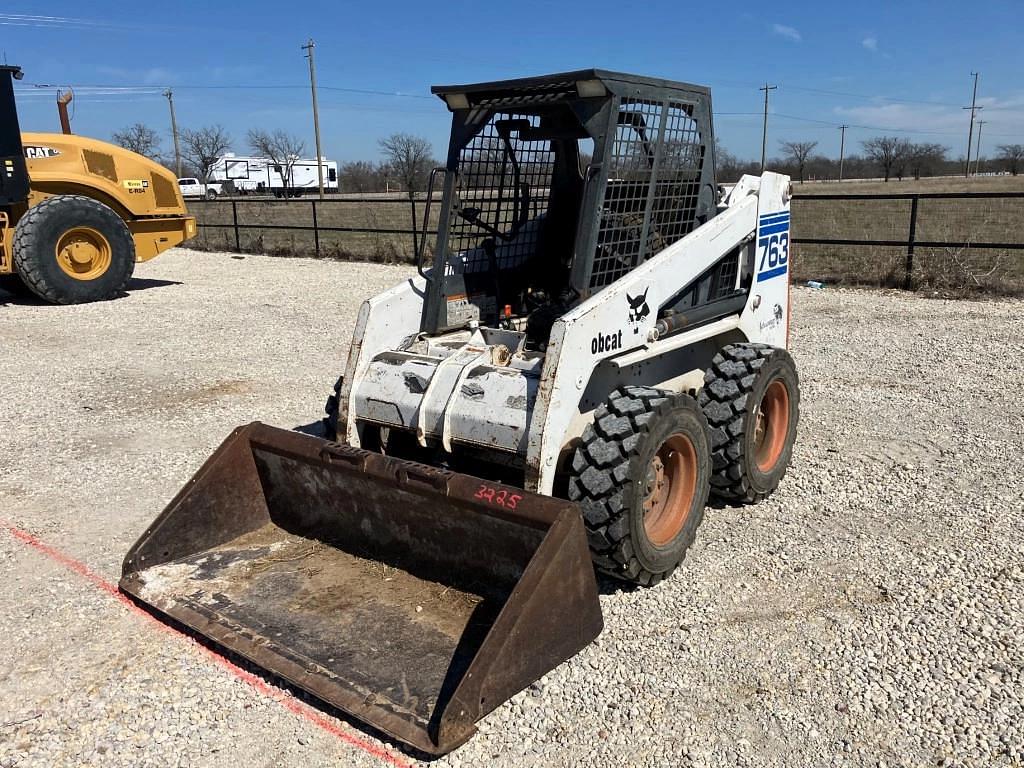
597 344
75 213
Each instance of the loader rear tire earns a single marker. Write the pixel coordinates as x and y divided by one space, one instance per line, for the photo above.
751 398
641 478
71 249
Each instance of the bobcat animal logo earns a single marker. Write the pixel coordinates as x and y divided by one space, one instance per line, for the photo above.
778 312
638 309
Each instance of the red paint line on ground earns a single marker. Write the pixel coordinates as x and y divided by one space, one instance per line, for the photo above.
290 703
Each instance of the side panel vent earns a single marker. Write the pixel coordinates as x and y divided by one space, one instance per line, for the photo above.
101 164
165 193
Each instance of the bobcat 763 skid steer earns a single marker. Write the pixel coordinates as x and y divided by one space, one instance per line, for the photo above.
597 344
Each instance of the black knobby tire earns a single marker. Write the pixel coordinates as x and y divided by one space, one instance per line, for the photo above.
331 409
52 223
613 471
745 383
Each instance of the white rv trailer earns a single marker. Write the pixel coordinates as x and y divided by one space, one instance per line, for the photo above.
261 175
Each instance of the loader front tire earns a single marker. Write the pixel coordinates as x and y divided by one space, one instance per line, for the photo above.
71 249
751 398
641 478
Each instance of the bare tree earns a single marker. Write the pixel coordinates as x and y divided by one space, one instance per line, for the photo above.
139 138
203 147
925 158
887 152
361 176
283 150
798 152
1012 156
726 164
409 158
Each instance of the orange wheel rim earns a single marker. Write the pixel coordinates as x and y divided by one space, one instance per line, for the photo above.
671 484
771 426
83 253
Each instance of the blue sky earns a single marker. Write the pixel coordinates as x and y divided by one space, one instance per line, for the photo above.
833 63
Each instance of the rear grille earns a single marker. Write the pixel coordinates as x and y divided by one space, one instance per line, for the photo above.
101 164
165 193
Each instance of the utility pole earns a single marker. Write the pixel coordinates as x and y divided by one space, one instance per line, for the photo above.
174 132
970 131
764 134
308 48
977 155
842 148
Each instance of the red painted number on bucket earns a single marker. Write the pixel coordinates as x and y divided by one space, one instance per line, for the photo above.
498 497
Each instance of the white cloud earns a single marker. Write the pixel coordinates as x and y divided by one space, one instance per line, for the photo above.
787 32
1003 117
871 43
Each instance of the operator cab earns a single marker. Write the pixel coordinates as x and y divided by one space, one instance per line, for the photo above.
557 186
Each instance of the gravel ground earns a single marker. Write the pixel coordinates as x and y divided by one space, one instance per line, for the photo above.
870 613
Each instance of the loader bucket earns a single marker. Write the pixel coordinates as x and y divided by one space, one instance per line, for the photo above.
413 598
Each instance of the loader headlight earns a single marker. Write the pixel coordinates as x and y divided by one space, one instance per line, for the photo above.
456 100
589 89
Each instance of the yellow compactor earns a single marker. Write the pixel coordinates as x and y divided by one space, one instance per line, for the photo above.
76 213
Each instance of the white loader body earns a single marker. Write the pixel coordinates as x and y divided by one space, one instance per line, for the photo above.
478 388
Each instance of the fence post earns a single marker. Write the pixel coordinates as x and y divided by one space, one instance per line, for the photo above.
908 279
415 225
234 218
316 232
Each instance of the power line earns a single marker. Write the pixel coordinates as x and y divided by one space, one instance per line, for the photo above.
129 93
893 99
247 87
911 131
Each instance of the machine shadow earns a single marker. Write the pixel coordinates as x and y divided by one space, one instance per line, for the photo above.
145 283
14 294
314 428
17 300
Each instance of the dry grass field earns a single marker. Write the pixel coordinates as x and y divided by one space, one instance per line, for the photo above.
947 270
897 187
391 215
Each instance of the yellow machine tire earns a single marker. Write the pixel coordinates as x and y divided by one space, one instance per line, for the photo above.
71 249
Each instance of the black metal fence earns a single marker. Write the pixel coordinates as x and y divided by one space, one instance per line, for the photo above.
378 228
946 239
957 238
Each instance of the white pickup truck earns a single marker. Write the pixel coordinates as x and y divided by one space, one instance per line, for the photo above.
195 188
